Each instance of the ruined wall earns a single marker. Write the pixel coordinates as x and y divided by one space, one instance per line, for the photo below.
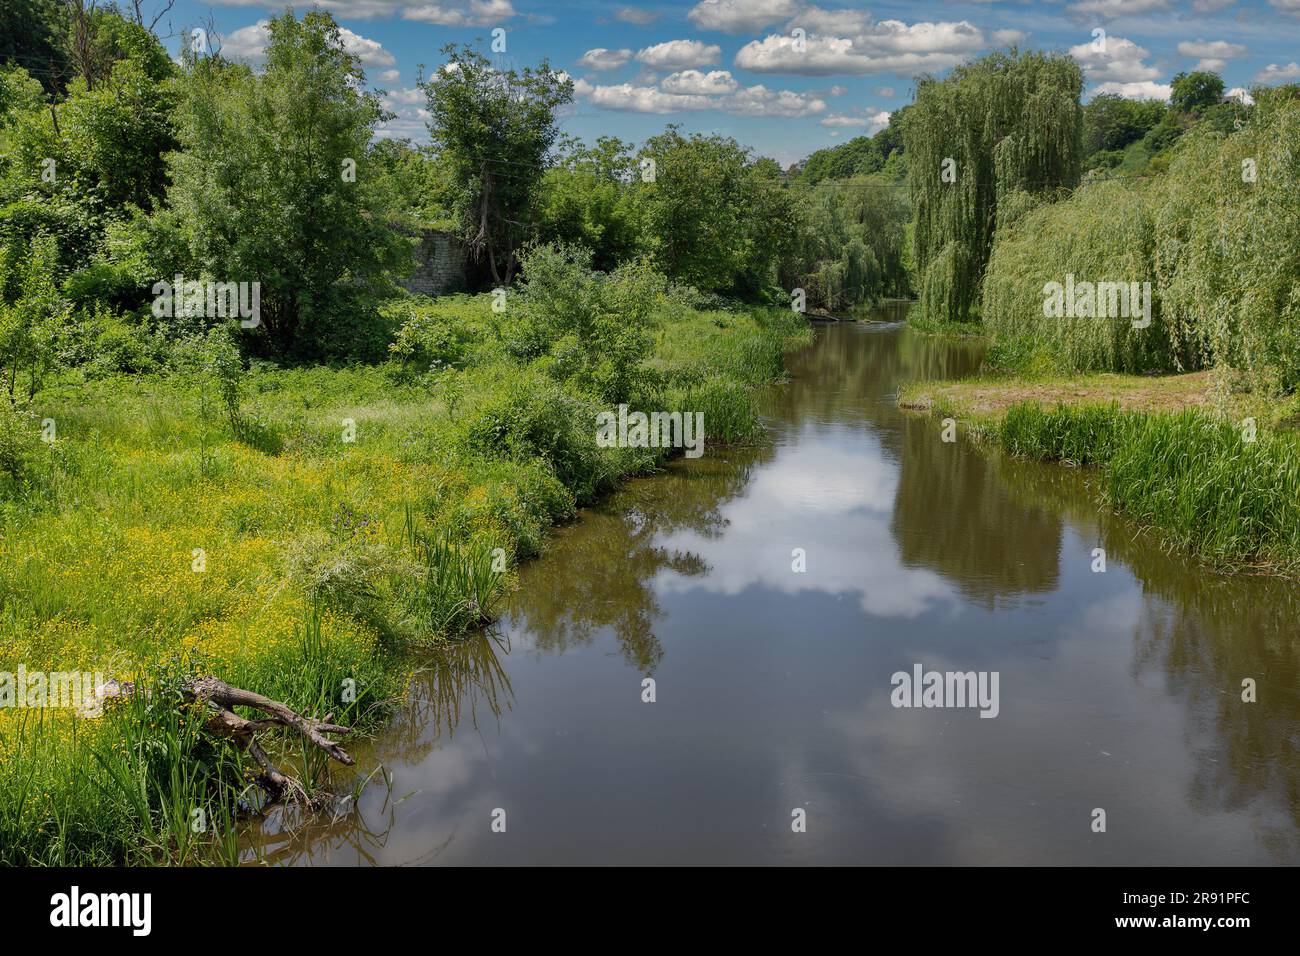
439 263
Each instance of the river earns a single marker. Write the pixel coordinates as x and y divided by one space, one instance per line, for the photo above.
1118 691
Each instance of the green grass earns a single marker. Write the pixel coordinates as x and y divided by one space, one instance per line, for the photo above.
1198 481
298 538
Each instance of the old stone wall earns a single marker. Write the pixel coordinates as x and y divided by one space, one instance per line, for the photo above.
439 263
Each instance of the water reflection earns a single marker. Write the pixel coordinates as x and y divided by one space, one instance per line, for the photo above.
1120 690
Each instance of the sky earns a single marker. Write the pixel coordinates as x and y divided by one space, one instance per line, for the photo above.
785 77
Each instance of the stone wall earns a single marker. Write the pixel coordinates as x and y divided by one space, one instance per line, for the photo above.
439 263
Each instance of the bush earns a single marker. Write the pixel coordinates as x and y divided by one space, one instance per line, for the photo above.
596 324
432 334
20 443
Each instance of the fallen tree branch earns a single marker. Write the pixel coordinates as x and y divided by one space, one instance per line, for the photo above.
221 698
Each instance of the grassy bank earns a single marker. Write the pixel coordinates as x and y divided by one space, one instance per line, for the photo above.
1220 487
298 532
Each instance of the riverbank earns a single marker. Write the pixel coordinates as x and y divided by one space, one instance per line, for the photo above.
296 532
1218 477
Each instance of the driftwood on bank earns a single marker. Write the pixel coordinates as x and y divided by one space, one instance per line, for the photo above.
221 699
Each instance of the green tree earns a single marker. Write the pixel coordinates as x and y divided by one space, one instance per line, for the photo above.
32 315
850 242
586 199
262 191
72 169
33 38
1004 125
1193 92
1111 121
494 129
694 195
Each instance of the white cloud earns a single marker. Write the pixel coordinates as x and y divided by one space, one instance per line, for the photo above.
1214 54
248 45
639 99
1241 94
1009 37
390 76
396 100
679 54
476 13
885 91
1274 73
1141 90
1210 6
692 90
602 59
713 83
760 101
453 13
1219 49
1120 62
740 16
637 16
873 120
1291 7
890 46
1109 9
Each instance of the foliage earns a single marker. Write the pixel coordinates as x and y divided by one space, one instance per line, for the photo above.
586 199
260 192
1219 252
32 317
1003 123
595 325
712 216
1192 478
1194 92
494 128
850 243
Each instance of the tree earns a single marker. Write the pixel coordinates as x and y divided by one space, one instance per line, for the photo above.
262 188
1112 122
33 38
32 315
586 199
1193 92
74 168
701 204
850 242
1002 125
494 129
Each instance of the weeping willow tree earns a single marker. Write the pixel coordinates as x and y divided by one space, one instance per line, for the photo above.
849 243
1216 236
992 135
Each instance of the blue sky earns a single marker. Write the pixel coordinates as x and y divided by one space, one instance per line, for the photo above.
785 77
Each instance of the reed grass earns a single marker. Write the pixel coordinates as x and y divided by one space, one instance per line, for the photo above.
1198 481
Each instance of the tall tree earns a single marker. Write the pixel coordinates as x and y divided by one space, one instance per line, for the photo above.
33 37
699 198
1193 92
1006 125
494 129
264 188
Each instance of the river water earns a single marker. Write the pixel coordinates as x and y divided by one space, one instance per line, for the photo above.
1118 691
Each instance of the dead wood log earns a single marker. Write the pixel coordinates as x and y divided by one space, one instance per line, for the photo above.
221 698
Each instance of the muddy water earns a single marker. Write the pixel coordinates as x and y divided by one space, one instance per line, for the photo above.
1118 690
